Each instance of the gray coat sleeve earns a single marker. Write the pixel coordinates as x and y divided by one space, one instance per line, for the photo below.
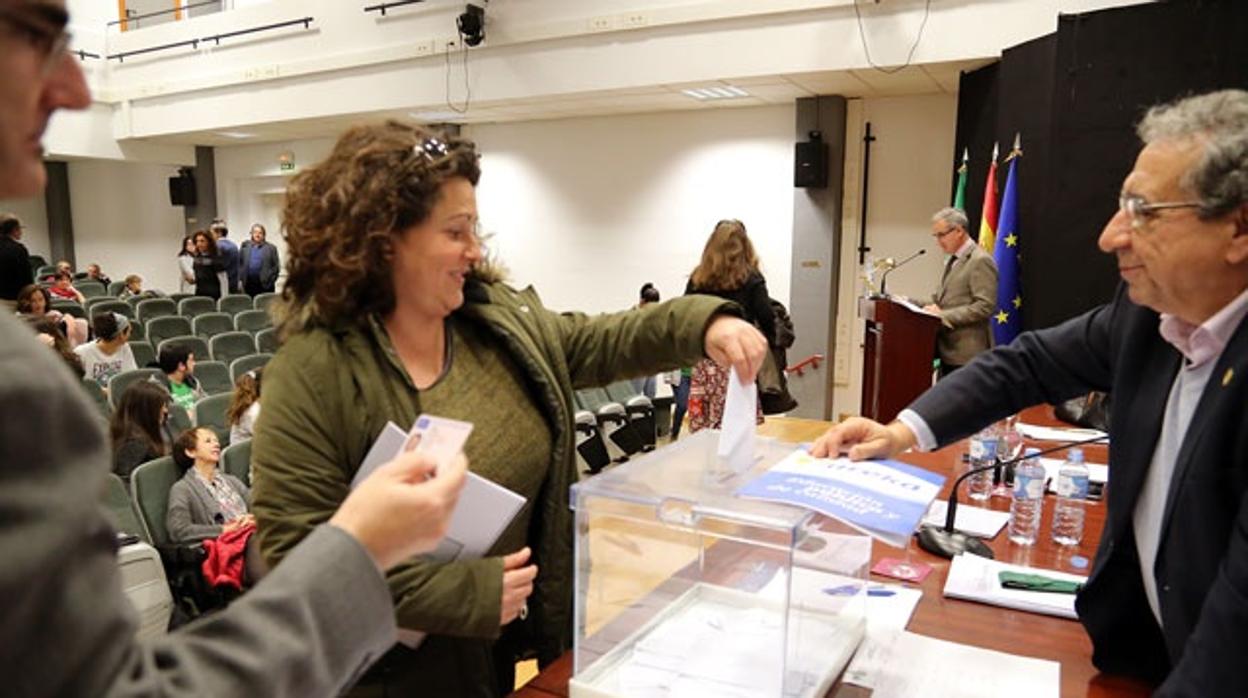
308 629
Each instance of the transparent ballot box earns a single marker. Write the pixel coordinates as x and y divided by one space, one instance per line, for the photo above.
683 589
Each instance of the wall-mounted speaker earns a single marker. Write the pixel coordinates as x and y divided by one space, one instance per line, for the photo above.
182 190
810 163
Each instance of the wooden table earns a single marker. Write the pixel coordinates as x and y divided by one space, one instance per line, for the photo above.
1044 637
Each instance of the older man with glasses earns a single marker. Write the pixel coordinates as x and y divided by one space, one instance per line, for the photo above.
308 629
967 294
1167 599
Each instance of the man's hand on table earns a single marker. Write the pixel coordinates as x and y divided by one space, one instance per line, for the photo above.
863 438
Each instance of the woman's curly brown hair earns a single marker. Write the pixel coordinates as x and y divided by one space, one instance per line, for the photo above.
343 215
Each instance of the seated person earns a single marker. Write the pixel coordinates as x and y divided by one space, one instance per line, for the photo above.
95 274
137 430
177 362
110 353
134 287
245 406
206 502
63 288
34 302
50 334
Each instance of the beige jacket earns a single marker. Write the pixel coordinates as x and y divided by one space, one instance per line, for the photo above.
967 298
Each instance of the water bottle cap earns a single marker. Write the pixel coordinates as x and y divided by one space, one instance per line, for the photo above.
1075 455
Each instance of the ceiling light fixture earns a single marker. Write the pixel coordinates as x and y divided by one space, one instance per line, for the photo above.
713 92
237 135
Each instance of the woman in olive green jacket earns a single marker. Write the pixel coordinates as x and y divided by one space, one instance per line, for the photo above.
390 312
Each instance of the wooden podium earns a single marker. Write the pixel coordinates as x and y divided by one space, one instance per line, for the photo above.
899 348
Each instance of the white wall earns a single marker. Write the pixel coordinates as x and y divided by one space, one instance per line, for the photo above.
911 176
34 217
587 210
123 220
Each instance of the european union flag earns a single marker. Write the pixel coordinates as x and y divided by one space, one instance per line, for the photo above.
1008 320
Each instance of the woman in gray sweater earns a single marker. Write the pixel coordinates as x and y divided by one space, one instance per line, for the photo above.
206 502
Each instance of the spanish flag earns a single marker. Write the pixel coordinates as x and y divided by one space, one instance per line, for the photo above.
988 221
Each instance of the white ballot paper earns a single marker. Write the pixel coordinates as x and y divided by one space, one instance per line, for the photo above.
974 578
484 509
736 438
971 520
1035 431
904 664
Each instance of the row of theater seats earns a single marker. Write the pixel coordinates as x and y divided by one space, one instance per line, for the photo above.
216 380
617 412
139 511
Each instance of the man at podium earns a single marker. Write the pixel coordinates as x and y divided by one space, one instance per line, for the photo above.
967 294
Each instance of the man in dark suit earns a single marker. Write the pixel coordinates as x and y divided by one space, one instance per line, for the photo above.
259 264
308 629
15 271
1167 599
229 255
967 295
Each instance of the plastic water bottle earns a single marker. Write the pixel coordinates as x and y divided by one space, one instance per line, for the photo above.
1072 493
983 451
1028 502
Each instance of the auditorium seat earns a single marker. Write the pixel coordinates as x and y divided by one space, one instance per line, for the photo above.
640 411
115 288
196 306
123 380
266 341
264 301
151 308
210 413
112 306
210 325
144 353
234 303
90 289
244 364
213 377
252 321
232 345
118 502
96 391
162 328
70 308
236 460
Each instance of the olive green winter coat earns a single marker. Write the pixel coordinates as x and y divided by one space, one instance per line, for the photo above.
329 392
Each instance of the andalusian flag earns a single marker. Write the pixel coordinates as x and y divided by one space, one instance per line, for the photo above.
988 221
1008 321
959 196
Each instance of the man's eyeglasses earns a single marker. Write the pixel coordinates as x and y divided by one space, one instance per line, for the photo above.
1141 212
41 26
942 233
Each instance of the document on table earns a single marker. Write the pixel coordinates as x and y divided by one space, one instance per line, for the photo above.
889 606
1035 431
971 520
903 664
1097 472
736 437
974 578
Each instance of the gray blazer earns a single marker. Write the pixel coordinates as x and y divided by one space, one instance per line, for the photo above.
309 628
967 299
193 513
270 264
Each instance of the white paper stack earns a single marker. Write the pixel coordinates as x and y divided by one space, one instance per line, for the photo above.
971 520
974 578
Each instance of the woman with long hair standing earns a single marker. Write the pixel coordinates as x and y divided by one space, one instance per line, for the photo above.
728 269
245 406
186 265
208 266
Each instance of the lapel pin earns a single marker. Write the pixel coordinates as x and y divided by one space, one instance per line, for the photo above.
1226 377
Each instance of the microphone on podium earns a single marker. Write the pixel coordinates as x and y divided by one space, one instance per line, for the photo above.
884 276
945 541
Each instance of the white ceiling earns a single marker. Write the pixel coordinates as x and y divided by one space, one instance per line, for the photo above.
930 78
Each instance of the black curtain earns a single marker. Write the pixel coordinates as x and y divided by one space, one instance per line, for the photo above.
1075 96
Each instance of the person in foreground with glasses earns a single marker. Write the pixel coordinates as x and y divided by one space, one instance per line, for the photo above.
308 629
390 310
1167 599
967 294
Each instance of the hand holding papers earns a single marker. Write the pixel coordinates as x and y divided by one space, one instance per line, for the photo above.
484 509
884 499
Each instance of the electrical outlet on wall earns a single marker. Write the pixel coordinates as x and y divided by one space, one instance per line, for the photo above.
426 48
634 19
600 24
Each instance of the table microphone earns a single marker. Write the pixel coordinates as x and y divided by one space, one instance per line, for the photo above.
945 541
884 276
